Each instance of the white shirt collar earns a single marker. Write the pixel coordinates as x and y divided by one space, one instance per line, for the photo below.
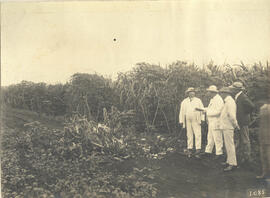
238 94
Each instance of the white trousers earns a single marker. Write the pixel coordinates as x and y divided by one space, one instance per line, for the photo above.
214 138
230 147
193 128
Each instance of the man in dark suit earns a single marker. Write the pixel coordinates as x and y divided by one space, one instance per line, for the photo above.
244 109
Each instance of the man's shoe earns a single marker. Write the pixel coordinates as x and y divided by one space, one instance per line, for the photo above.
188 151
206 155
197 152
224 163
229 168
264 176
260 177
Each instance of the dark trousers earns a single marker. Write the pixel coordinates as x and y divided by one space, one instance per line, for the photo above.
265 159
242 144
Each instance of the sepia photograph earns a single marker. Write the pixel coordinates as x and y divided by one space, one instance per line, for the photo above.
135 99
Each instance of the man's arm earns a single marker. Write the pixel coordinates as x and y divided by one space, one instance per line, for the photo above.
182 116
181 112
232 114
201 107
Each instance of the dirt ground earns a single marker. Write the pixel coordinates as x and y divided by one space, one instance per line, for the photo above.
179 176
176 175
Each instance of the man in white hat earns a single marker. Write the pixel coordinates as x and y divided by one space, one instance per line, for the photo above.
214 137
191 119
244 108
228 123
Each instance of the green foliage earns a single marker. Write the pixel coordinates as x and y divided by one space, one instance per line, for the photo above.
155 92
85 94
152 92
38 97
88 94
115 139
75 162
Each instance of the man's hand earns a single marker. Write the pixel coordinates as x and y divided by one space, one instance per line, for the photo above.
181 125
200 109
237 128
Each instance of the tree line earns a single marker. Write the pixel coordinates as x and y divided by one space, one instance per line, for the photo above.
153 92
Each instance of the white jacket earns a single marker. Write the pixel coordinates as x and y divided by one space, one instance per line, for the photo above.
188 112
227 119
213 110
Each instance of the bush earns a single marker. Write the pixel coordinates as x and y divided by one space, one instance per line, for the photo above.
88 94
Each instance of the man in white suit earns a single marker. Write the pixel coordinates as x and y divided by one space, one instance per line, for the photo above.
191 119
228 123
214 137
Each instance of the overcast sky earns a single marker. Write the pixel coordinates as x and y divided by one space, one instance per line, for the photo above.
50 41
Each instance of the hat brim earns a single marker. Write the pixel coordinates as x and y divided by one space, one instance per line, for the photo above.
210 90
190 91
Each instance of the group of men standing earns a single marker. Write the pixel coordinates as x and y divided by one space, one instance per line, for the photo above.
228 112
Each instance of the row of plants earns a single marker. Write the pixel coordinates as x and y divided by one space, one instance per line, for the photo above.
151 91
81 159
86 94
43 162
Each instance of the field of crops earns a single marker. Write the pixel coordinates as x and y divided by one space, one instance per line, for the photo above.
80 160
112 137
